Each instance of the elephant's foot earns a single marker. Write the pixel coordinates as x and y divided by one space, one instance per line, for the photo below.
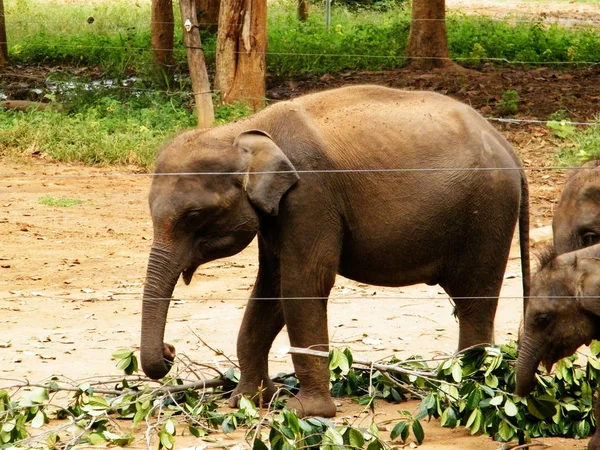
312 405
260 393
594 443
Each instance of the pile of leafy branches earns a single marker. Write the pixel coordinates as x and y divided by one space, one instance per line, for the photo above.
475 390
472 389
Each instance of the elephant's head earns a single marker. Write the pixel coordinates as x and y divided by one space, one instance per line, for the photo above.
208 193
576 222
563 313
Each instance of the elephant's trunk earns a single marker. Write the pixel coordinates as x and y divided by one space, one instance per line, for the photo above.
527 364
161 277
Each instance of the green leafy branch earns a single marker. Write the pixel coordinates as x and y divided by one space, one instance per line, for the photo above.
472 389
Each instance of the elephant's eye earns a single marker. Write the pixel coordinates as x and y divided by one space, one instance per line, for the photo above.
590 238
543 319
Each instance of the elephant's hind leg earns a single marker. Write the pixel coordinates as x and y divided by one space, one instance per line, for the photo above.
307 275
475 294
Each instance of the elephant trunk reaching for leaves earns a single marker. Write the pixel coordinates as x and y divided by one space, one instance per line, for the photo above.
382 186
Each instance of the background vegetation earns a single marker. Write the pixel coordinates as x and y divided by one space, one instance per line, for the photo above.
117 115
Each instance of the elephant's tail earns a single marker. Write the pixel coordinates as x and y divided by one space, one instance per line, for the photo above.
524 240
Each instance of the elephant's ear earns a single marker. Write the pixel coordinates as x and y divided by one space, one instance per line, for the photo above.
270 173
588 285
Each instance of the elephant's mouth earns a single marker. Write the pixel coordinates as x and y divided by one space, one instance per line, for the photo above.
188 273
553 358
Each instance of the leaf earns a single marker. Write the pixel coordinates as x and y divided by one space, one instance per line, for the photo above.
429 402
39 395
595 347
197 432
333 437
338 360
398 430
497 400
170 427
374 445
356 438
477 421
228 426
542 407
510 409
418 431
166 440
292 421
96 438
122 353
39 420
505 431
449 418
259 445
457 372
582 429
491 381
349 356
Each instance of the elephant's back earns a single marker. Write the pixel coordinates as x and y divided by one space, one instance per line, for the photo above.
381 127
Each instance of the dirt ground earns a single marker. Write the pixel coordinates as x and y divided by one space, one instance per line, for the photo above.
71 277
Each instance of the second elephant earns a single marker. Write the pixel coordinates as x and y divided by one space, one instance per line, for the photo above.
576 221
382 186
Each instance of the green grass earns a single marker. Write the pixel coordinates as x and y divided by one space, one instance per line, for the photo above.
118 40
577 144
104 127
49 200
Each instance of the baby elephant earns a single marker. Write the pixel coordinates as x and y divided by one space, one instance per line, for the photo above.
562 315
382 186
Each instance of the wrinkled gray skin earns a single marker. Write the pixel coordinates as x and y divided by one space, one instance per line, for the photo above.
562 315
576 222
452 227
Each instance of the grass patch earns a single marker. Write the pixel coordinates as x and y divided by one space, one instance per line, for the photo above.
118 39
578 145
50 200
103 127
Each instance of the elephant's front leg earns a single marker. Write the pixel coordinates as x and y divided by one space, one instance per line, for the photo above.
263 320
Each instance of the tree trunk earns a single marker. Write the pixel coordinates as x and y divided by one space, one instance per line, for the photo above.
197 64
3 43
241 48
303 10
208 14
427 45
162 38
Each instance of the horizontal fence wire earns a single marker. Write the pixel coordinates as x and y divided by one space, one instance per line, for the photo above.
299 171
555 20
270 299
336 55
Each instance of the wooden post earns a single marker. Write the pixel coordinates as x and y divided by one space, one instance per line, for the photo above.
3 43
197 64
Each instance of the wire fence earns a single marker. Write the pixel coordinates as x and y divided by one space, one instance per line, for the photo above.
86 85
